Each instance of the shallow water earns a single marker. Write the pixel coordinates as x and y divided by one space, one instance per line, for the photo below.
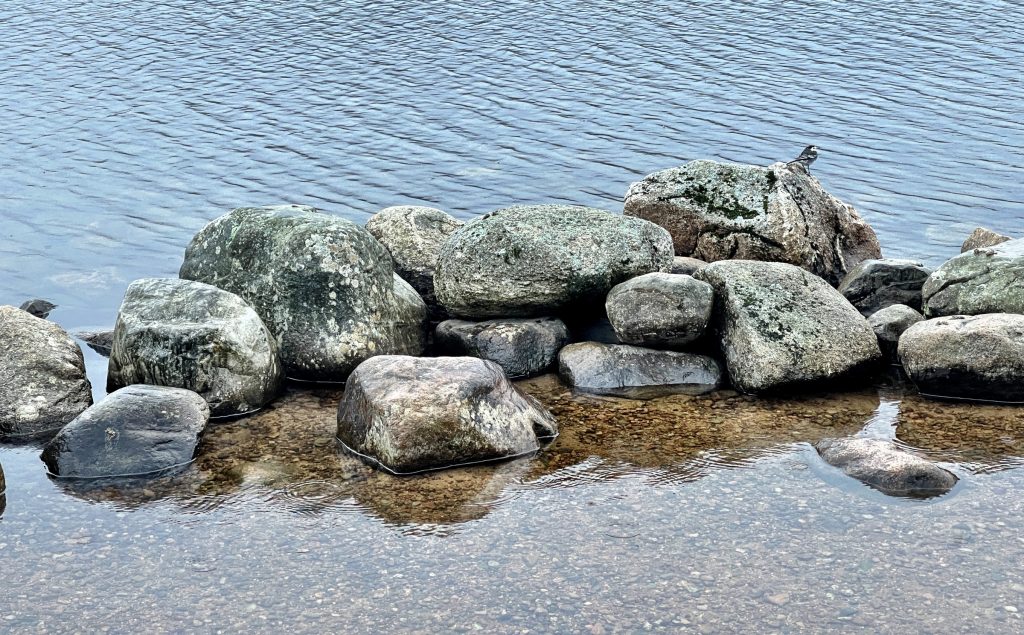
127 126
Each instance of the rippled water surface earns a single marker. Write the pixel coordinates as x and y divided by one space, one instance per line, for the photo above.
128 125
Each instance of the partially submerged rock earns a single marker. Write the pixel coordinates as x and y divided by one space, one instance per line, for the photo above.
42 375
721 211
99 341
982 237
192 335
877 283
782 327
883 466
38 307
410 414
983 280
323 286
136 430
632 371
537 260
660 309
890 323
522 347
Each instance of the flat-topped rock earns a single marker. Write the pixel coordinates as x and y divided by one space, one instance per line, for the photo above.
983 280
633 371
523 347
660 309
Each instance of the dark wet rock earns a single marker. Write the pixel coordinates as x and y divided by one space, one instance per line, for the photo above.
883 466
135 430
410 414
633 371
782 327
42 375
323 286
99 341
983 280
721 211
414 236
684 265
522 347
537 260
38 308
890 323
968 357
876 284
660 309
192 335
982 237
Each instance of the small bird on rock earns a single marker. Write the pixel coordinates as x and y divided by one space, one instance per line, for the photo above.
806 158
38 308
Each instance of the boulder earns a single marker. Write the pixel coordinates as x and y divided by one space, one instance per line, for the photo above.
134 431
684 265
192 335
967 357
38 307
632 371
323 286
660 309
983 280
537 260
877 283
883 466
722 211
99 341
782 327
42 375
890 323
414 236
982 237
409 414
522 347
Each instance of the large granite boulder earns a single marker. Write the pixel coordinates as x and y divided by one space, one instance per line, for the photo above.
414 236
521 346
136 430
883 466
409 414
877 283
890 323
782 327
192 335
967 357
632 371
982 237
983 280
42 376
660 309
323 286
723 211
537 260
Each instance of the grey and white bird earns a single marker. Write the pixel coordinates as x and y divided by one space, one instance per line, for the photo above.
806 158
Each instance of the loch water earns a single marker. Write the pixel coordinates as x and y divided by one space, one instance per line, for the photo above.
126 126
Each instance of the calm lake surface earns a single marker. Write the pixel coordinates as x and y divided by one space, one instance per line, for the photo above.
129 125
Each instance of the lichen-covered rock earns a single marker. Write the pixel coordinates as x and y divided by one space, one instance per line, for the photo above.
983 280
42 375
877 283
660 309
134 431
409 414
537 260
323 286
890 323
967 357
982 237
414 236
191 335
782 327
881 465
522 347
685 265
632 371
721 211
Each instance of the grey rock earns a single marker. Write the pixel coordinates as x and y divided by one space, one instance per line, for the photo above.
38 308
134 431
632 371
409 414
660 309
877 283
890 323
967 357
414 236
883 466
983 280
537 260
685 265
782 327
99 341
192 335
522 347
42 375
323 286
982 237
721 211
